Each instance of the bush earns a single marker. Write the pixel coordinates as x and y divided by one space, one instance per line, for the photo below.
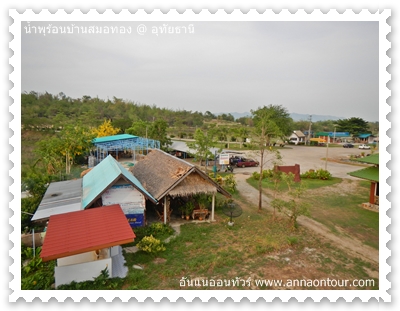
256 175
265 174
230 183
156 229
292 240
36 274
150 244
318 174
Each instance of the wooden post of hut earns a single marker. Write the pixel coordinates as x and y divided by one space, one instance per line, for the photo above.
165 209
212 207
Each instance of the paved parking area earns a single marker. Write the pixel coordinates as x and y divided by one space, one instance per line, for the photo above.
312 158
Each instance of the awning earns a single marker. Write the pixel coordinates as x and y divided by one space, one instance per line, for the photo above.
320 140
84 231
369 173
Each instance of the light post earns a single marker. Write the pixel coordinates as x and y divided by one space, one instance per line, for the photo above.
334 134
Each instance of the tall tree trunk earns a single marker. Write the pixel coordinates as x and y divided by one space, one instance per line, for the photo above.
262 152
260 181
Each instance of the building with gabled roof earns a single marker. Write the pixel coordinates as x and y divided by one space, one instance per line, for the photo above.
107 183
86 242
297 137
165 176
104 175
110 183
368 138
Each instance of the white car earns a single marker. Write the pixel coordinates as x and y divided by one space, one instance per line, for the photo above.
364 147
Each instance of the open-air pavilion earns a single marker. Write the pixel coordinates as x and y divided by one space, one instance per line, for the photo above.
166 177
121 144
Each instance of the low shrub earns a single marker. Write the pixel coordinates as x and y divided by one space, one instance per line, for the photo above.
317 174
292 240
230 183
265 174
150 244
156 229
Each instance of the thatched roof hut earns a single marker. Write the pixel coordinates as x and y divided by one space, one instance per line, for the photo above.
162 175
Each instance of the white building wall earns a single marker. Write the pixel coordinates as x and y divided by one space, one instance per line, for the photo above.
82 272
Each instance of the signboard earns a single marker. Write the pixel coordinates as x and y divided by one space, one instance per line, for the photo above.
135 220
224 159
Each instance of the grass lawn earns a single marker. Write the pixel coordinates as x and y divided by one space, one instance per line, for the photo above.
343 213
258 247
337 204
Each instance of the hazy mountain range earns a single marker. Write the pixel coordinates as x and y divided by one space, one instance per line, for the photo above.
294 116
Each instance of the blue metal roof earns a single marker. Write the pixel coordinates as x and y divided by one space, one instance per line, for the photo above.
364 135
102 176
106 139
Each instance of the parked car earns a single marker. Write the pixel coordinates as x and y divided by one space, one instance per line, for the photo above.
234 160
247 163
363 146
348 145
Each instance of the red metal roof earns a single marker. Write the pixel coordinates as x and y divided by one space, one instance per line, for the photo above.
87 230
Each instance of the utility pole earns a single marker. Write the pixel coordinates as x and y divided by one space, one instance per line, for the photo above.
309 132
326 156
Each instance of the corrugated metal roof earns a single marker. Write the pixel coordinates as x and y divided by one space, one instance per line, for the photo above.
112 138
182 146
60 197
83 231
369 173
103 175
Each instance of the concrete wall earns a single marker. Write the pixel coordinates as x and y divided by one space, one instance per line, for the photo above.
82 272
84 257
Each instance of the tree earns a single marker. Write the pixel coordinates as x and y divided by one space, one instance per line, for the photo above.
242 133
105 129
209 116
269 121
276 175
158 131
36 184
122 124
69 143
49 152
293 207
355 126
139 128
203 142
